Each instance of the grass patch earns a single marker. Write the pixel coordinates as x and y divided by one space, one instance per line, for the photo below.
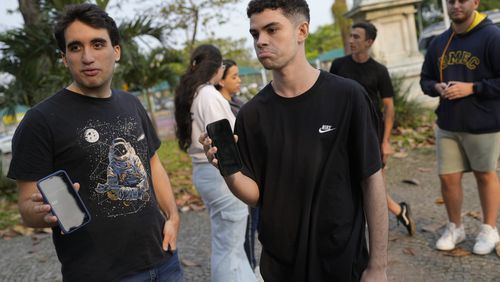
9 214
178 166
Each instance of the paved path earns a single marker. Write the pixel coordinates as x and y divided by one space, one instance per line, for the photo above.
410 259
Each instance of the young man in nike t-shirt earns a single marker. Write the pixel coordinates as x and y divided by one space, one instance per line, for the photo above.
311 160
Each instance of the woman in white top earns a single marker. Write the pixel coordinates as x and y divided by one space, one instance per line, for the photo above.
198 103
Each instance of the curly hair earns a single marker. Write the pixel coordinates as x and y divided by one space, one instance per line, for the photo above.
203 65
290 8
89 14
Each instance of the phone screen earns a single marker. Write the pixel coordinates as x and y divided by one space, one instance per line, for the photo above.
227 154
64 201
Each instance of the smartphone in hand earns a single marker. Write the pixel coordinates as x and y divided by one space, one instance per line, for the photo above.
227 154
57 191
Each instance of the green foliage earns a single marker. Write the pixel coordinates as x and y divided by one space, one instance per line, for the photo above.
485 5
409 112
178 166
9 214
8 188
30 55
325 38
414 122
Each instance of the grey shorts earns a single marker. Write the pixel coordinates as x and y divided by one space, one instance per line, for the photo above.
463 152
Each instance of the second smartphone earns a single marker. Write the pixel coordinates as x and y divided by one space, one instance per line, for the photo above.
227 154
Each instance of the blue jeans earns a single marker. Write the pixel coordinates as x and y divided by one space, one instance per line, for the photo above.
169 271
228 219
253 221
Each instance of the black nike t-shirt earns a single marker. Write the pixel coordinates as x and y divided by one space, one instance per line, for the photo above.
308 155
105 145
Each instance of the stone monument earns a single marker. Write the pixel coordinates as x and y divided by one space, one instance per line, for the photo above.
396 45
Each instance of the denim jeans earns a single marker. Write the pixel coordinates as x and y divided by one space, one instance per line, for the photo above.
253 221
228 219
170 271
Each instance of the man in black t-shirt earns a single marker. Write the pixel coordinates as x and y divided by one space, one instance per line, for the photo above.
375 78
105 141
314 172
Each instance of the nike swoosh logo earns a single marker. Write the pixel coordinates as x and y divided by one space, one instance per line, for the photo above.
321 130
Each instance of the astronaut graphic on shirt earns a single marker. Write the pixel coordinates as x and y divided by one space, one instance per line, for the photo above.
126 176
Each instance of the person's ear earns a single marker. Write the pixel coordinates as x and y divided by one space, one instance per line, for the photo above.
117 51
63 57
476 3
369 42
303 31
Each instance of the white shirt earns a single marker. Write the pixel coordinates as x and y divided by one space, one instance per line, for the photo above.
208 106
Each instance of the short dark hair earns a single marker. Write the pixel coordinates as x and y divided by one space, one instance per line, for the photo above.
89 14
289 7
370 29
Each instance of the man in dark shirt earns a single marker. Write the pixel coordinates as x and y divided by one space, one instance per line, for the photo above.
104 140
375 78
314 172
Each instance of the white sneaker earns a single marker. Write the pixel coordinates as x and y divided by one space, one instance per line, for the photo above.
451 236
486 240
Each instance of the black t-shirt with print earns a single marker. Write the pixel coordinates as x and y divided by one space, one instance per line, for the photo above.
308 155
105 145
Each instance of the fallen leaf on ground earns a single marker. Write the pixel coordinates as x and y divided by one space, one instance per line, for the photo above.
439 201
188 263
22 230
458 252
474 214
8 234
400 155
409 251
432 228
42 231
411 181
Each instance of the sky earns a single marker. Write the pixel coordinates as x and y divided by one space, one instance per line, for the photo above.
319 10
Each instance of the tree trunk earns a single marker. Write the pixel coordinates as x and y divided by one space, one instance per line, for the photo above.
30 9
339 8
196 14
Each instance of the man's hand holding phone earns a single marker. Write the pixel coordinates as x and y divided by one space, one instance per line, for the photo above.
40 207
220 147
210 150
227 159
65 205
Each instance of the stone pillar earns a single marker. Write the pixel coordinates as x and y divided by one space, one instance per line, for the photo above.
396 45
